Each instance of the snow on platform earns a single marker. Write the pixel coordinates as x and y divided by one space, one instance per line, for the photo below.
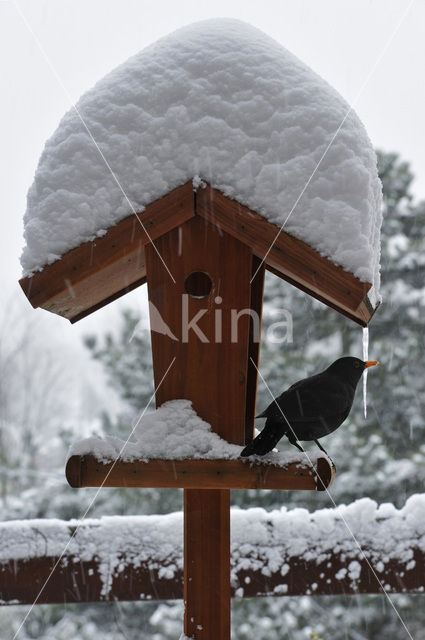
222 101
175 432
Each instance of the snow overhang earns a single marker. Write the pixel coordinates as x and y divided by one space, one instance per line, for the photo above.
101 270
221 100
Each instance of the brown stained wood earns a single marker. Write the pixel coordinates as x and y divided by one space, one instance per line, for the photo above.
103 303
290 258
361 316
75 580
207 313
80 581
96 272
22 580
86 471
80 294
210 366
256 304
325 474
313 577
207 564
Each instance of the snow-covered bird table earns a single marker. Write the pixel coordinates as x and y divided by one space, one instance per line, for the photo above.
173 447
200 162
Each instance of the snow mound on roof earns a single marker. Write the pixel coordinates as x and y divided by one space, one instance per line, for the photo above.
221 100
176 432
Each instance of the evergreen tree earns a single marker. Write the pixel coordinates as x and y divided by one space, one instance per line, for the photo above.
127 358
380 456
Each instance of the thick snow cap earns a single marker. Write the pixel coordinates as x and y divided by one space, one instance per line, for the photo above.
221 100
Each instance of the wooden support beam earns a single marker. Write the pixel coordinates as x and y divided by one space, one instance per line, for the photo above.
87 471
207 563
212 271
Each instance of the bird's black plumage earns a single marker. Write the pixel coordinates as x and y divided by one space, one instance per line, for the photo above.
311 408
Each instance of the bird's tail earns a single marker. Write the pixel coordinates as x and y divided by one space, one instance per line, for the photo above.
266 440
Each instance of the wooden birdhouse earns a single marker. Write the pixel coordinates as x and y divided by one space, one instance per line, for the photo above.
203 255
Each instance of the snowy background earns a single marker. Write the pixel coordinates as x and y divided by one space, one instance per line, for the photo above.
52 389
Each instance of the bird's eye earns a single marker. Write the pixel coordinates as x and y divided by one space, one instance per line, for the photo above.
356 364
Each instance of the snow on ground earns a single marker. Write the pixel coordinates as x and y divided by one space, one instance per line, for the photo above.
176 432
220 100
260 540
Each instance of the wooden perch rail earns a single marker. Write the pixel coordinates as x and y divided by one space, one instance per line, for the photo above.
87 471
131 578
76 580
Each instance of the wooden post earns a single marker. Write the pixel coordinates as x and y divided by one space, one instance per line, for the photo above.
210 366
207 563
212 271
257 294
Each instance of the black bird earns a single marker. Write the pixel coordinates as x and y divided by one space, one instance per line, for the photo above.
311 408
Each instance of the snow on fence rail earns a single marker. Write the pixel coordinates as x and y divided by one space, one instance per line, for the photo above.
273 553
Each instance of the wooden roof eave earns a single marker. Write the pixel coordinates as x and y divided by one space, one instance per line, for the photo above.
288 257
99 271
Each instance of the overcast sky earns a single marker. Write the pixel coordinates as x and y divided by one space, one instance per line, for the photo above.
51 51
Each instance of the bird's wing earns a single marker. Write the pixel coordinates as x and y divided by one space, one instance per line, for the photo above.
273 410
310 398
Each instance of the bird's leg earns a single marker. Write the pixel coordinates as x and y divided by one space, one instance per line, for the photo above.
293 441
320 447
324 451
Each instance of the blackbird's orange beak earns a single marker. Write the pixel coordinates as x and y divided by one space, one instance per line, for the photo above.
370 363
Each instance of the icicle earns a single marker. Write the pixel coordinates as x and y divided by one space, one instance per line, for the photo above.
365 357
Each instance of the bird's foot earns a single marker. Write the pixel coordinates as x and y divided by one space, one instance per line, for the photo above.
326 454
